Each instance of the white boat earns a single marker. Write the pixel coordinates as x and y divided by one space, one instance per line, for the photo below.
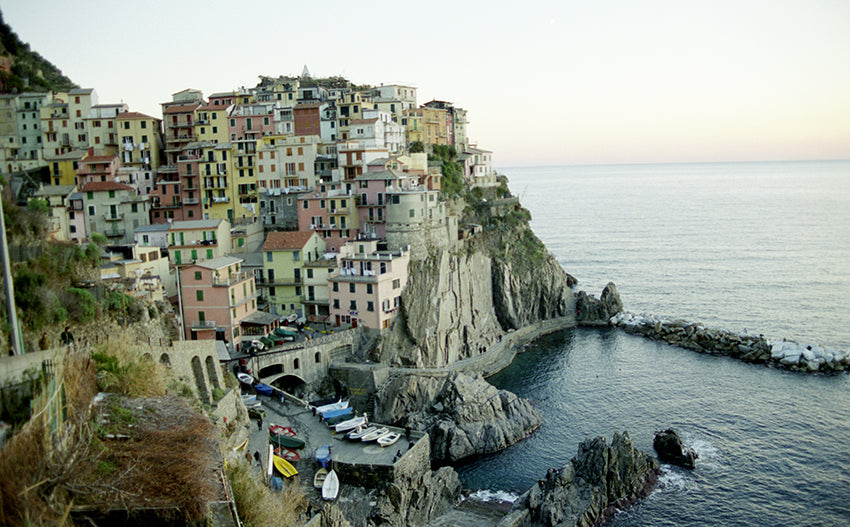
388 439
330 487
249 398
357 434
339 405
375 435
351 424
245 378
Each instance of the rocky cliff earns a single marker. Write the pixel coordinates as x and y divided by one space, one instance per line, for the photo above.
463 414
458 302
598 480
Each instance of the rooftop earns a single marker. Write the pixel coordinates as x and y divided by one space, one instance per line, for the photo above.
195 224
102 186
287 240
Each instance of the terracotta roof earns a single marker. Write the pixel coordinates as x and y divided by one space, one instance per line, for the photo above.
100 186
134 115
183 108
308 105
98 159
287 240
362 121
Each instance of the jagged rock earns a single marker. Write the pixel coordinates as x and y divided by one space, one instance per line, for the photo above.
591 311
670 449
417 499
611 299
463 414
597 480
331 516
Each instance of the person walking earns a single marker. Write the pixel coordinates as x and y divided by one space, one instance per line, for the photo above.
260 423
257 457
44 342
66 337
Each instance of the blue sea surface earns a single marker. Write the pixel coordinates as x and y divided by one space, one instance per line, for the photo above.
761 246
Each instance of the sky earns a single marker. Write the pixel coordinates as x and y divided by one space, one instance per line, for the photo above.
544 82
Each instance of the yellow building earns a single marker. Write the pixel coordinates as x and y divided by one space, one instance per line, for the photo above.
140 138
287 162
211 123
216 170
285 255
63 167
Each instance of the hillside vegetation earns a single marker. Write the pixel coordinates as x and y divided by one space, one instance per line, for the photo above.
30 71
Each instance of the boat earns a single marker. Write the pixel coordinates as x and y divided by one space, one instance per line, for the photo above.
333 406
254 404
285 332
323 455
284 467
357 434
330 487
249 398
333 421
322 402
388 439
245 378
375 435
282 430
241 446
287 454
263 389
351 424
336 413
286 441
319 478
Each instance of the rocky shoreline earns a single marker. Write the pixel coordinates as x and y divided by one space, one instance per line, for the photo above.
748 348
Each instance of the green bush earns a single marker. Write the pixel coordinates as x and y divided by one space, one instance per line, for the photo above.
80 304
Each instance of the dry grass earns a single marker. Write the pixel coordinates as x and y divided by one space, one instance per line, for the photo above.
123 370
260 507
31 489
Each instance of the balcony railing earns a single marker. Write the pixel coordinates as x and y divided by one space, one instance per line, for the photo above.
235 278
191 201
203 324
113 217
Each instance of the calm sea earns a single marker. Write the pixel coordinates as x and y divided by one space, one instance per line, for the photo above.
758 246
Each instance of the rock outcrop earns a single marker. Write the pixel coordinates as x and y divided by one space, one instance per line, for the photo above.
598 480
416 499
457 302
670 449
463 414
591 311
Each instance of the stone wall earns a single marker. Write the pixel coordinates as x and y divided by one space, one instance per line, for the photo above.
195 363
415 461
309 361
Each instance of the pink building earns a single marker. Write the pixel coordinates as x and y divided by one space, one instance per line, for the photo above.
97 168
250 121
332 214
371 190
217 296
366 290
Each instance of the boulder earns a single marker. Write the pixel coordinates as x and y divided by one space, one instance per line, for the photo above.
670 449
596 482
416 499
597 312
463 414
610 298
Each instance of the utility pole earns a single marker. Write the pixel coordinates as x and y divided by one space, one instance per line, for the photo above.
11 310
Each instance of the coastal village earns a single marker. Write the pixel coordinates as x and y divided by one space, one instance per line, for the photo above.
280 307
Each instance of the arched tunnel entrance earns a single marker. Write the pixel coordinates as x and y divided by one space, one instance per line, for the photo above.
291 384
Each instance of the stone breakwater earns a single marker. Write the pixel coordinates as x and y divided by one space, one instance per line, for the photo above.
748 348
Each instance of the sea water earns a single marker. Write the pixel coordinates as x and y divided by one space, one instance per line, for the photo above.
761 247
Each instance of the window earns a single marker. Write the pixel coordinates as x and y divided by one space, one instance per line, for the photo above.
336 303
271 291
369 289
197 275
91 210
269 256
199 295
370 306
412 213
309 273
396 283
335 286
351 287
111 193
144 124
296 256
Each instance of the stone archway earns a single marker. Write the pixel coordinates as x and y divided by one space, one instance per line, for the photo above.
211 373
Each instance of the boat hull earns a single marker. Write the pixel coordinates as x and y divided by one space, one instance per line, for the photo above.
285 468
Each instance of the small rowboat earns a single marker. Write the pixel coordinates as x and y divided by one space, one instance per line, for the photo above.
249 398
284 467
245 378
241 446
322 402
375 435
357 434
388 439
263 389
319 478
333 421
351 424
286 441
330 487
336 413
287 454
282 430
333 406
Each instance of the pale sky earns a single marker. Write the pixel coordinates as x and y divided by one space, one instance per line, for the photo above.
545 83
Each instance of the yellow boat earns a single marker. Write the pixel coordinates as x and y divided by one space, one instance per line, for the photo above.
284 467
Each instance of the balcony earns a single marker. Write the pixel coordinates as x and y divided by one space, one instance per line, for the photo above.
191 201
113 217
220 199
227 281
203 324
115 232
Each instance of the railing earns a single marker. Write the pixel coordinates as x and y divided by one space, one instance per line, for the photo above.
191 201
113 217
225 281
203 324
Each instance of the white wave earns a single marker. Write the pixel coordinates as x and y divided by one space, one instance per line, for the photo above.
494 495
674 480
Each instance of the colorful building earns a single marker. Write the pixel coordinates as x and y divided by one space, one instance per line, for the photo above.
197 240
113 209
284 256
332 214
